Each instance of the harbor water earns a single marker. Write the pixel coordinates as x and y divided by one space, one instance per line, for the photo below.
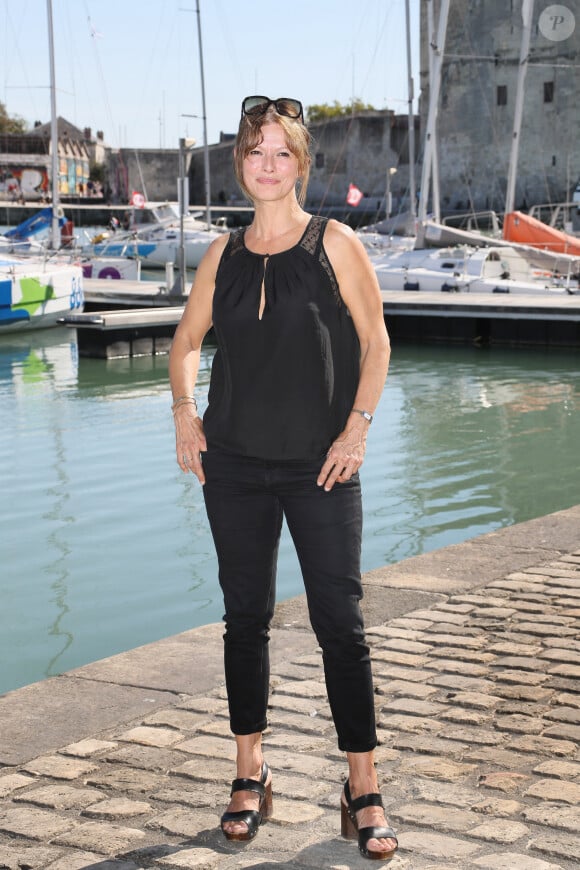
104 543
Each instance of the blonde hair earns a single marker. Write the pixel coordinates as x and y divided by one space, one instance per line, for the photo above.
297 141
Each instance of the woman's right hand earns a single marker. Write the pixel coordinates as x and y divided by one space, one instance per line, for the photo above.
189 440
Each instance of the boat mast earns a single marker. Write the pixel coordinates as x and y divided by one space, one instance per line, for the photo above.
411 135
204 115
527 13
434 90
54 233
436 198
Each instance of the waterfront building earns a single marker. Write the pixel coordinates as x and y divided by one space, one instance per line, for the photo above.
26 162
477 103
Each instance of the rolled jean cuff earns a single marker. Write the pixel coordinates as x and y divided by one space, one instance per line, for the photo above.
358 747
242 730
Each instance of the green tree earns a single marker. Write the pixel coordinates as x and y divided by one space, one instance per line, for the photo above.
10 124
325 111
97 172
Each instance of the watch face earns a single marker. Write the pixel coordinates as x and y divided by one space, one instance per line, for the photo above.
365 414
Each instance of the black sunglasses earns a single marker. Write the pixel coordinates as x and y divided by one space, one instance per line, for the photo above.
257 106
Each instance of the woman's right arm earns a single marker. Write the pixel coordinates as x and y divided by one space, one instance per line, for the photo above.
184 360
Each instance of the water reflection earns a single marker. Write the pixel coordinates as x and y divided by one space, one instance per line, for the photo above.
32 357
28 362
58 568
104 544
475 440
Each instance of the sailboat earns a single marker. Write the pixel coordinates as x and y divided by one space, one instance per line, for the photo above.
35 291
158 240
520 227
161 233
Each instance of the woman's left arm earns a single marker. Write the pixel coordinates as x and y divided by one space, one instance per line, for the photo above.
361 294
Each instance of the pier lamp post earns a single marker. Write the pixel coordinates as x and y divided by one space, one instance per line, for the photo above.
391 170
185 146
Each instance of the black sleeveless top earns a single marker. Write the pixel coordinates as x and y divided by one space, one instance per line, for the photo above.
281 386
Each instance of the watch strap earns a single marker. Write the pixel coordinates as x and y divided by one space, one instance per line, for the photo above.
366 414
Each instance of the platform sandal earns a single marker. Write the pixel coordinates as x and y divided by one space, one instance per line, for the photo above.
351 831
251 818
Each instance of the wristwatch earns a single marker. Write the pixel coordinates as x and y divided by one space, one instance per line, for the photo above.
365 414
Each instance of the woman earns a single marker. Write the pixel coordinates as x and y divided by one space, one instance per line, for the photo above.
301 363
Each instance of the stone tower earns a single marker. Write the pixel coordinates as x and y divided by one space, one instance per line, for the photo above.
477 102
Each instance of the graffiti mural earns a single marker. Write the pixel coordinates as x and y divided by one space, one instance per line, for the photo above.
24 182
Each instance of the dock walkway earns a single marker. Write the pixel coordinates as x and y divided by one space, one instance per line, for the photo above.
466 318
124 764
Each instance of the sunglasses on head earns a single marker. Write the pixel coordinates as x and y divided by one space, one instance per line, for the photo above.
286 106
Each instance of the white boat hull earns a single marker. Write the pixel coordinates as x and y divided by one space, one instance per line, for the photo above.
34 295
157 253
111 268
155 238
466 270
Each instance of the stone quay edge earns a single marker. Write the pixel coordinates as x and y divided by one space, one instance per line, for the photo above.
125 763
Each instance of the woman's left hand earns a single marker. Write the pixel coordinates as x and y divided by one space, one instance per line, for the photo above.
345 456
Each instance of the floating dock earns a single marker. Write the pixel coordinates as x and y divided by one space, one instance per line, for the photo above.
484 318
103 293
112 334
454 318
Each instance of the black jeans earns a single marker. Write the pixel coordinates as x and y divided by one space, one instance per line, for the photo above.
246 500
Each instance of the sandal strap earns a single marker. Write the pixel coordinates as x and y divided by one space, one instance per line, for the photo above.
250 817
377 833
366 800
244 784
359 803
248 785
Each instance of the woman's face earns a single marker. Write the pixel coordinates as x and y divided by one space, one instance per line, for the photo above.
271 169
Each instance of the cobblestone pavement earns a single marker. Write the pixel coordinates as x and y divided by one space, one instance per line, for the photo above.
478 699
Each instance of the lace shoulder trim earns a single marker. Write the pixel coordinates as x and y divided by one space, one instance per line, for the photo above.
312 242
235 243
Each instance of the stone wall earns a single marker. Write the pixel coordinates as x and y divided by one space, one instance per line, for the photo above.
150 171
356 150
477 105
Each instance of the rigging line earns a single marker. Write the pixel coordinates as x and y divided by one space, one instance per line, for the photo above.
16 43
553 65
338 157
143 188
71 57
93 35
230 43
342 69
162 54
375 50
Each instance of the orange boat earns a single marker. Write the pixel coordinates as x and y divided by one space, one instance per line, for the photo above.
519 227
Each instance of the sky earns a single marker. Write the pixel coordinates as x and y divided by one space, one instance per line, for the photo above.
131 68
